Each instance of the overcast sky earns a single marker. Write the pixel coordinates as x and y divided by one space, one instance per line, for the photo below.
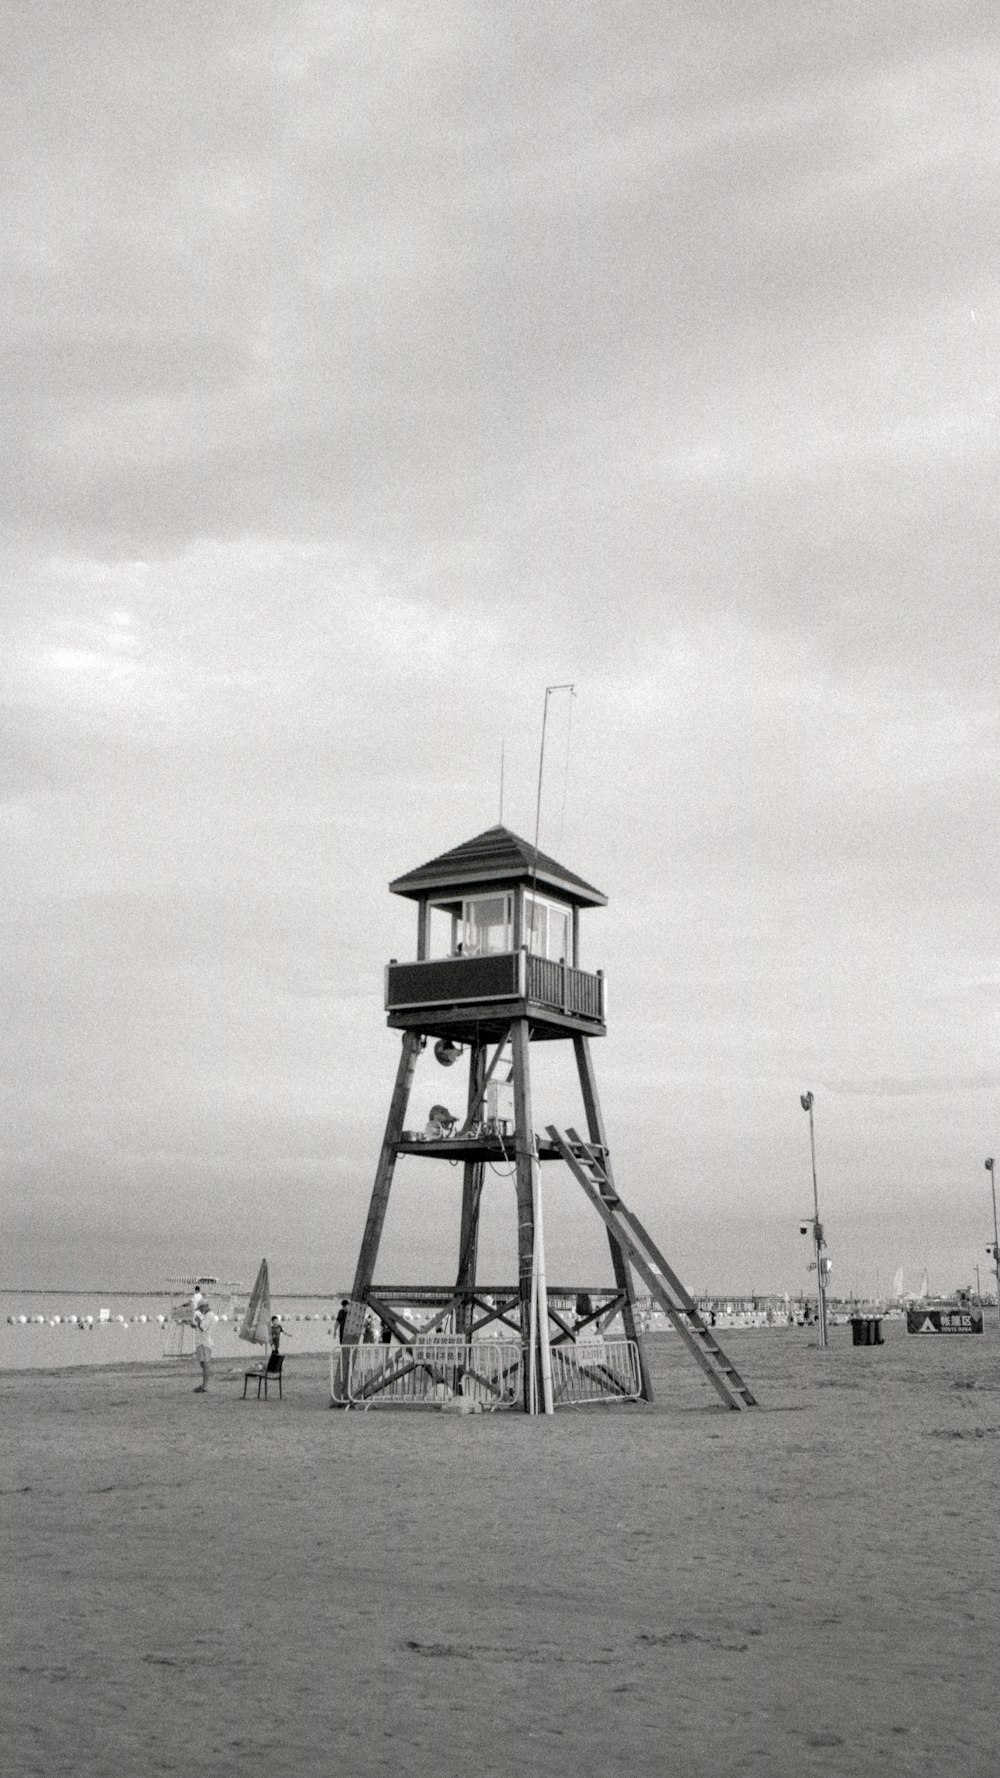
368 368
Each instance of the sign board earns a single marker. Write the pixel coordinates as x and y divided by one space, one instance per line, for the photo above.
944 1320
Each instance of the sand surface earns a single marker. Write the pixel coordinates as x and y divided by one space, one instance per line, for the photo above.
197 1583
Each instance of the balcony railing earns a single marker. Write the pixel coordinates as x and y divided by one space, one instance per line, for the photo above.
571 990
509 975
452 981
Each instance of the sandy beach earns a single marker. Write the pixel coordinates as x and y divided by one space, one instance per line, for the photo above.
207 1583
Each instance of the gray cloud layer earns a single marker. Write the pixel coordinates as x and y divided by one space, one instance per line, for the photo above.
368 368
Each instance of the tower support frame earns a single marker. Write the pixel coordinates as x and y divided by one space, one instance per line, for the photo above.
466 1306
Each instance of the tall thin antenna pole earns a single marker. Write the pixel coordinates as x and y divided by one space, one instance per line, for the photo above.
569 738
549 689
503 744
541 768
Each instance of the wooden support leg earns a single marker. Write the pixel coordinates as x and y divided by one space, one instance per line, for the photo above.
619 1260
524 1138
365 1272
473 1174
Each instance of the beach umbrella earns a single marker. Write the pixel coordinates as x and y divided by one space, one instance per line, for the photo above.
256 1322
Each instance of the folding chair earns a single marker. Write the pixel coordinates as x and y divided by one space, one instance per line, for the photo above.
261 1373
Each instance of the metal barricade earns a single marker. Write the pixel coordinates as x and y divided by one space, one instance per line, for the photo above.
488 1372
595 1370
427 1373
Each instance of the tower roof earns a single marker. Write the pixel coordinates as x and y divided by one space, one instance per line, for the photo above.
496 856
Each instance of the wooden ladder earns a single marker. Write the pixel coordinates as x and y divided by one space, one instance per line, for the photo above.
588 1163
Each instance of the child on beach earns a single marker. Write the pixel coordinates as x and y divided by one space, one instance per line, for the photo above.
205 1321
276 1334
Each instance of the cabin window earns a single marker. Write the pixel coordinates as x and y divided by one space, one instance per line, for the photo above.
548 929
444 928
486 925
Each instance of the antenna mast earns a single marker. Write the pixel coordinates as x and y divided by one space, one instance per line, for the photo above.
549 689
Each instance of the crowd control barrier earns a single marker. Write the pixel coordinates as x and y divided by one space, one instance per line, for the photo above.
595 1370
487 1372
428 1372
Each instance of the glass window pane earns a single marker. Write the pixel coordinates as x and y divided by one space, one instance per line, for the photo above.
443 931
558 934
536 925
547 929
487 925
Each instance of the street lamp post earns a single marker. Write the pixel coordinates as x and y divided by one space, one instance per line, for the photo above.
996 1237
806 1101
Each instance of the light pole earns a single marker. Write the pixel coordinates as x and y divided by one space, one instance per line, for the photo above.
996 1237
806 1101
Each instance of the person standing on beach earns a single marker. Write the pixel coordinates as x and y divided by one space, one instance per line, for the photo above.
205 1321
342 1318
276 1334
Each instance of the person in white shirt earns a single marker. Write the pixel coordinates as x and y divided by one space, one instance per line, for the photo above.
205 1321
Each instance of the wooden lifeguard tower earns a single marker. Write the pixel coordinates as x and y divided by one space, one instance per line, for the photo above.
497 970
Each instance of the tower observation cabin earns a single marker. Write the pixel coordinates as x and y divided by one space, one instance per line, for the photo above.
497 940
497 970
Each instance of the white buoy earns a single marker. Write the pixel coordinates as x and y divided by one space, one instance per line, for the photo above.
143 1319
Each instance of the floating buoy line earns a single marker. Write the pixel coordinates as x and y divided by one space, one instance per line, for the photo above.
104 1318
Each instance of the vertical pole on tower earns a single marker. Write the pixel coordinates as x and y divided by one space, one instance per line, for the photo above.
524 1145
541 1285
473 1174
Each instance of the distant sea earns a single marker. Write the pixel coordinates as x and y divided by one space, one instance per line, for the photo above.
49 1329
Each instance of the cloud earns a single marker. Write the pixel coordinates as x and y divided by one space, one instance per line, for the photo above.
896 1089
369 369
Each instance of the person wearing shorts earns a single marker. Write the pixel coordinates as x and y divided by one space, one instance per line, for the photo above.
205 1320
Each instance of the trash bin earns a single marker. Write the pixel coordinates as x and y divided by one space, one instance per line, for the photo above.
866 1330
